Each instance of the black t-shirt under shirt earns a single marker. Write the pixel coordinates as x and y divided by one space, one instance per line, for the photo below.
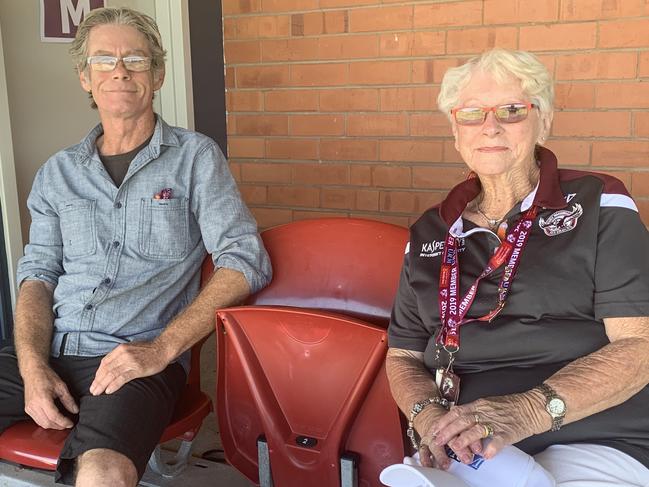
117 165
587 258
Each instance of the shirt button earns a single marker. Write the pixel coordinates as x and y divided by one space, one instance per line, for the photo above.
118 205
115 244
88 307
106 281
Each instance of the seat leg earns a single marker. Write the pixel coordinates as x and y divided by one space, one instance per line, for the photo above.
349 470
171 469
263 459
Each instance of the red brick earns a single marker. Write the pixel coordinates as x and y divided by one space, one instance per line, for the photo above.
592 124
317 125
312 214
230 78
253 194
306 24
391 176
262 76
574 95
262 124
450 154
229 29
348 47
409 201
289 5
337 198
380 124
380 19
643 70
624 33
336 22
430 124
622 95
297 49
412 99
437 177
413 44
641 124
379 72
291 101
348 149
360 175
366 199
265 172
255 27
620 154
597 65
570 152
235 170
558 37
423 71
640 184
231 7
334 174
440 66
293 149
244 101
349 100
319 74
548 62
602 9
481 39
520 11
294 196
345 3
448 14
253 147
242 52
270 217
410 150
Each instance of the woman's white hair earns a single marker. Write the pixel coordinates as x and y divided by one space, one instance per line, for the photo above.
502 64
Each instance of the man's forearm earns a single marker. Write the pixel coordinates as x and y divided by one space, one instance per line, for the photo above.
227 287
33 325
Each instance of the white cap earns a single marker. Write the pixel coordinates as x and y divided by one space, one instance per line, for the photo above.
511 467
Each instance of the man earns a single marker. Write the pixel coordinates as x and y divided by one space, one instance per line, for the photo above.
108 304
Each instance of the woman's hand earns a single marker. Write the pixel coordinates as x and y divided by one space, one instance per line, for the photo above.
505 419
431 454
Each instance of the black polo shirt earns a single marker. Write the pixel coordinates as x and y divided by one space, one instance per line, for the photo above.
586 259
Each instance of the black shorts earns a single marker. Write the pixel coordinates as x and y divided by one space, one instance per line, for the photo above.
129 421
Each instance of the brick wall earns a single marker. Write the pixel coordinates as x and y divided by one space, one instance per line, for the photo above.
331 103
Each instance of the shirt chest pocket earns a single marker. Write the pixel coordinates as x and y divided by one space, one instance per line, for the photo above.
164 228
77 221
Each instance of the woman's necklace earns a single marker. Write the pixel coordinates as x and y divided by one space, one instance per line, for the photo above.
493 222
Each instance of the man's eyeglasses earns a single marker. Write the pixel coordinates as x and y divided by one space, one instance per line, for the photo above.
108 63
510 113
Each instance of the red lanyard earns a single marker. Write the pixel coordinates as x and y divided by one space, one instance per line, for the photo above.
452 311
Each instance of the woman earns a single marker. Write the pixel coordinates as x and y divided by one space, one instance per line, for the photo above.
527 289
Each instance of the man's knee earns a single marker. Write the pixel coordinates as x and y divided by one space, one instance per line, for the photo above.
104 467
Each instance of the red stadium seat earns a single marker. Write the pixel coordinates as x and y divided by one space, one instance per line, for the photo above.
302 394
27 444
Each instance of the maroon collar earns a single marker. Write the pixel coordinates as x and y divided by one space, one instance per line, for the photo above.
548 195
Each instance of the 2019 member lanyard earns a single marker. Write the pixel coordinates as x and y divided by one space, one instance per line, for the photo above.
452 311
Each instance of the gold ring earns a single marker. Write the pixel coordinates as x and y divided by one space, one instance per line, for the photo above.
488 430
476 418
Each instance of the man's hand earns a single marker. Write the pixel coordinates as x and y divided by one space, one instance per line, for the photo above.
42 387
127 362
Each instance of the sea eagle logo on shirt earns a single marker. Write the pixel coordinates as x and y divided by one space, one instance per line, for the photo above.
561 221
436 247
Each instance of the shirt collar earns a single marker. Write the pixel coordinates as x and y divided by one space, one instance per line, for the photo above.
163 134
547 194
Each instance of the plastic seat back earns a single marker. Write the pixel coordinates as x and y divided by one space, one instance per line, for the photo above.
314 385
349 265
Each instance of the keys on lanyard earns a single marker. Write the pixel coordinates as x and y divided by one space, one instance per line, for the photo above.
453 310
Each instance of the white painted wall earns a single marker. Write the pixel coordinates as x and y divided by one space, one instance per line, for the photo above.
48 110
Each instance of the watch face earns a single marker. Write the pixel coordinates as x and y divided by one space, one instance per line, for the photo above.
556 407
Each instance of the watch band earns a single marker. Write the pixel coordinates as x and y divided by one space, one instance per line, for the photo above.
550 397
417 408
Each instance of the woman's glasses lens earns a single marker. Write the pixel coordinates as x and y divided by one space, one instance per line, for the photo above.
512 113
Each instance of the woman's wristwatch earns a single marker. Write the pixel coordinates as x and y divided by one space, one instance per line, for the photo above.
554 405
417 408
